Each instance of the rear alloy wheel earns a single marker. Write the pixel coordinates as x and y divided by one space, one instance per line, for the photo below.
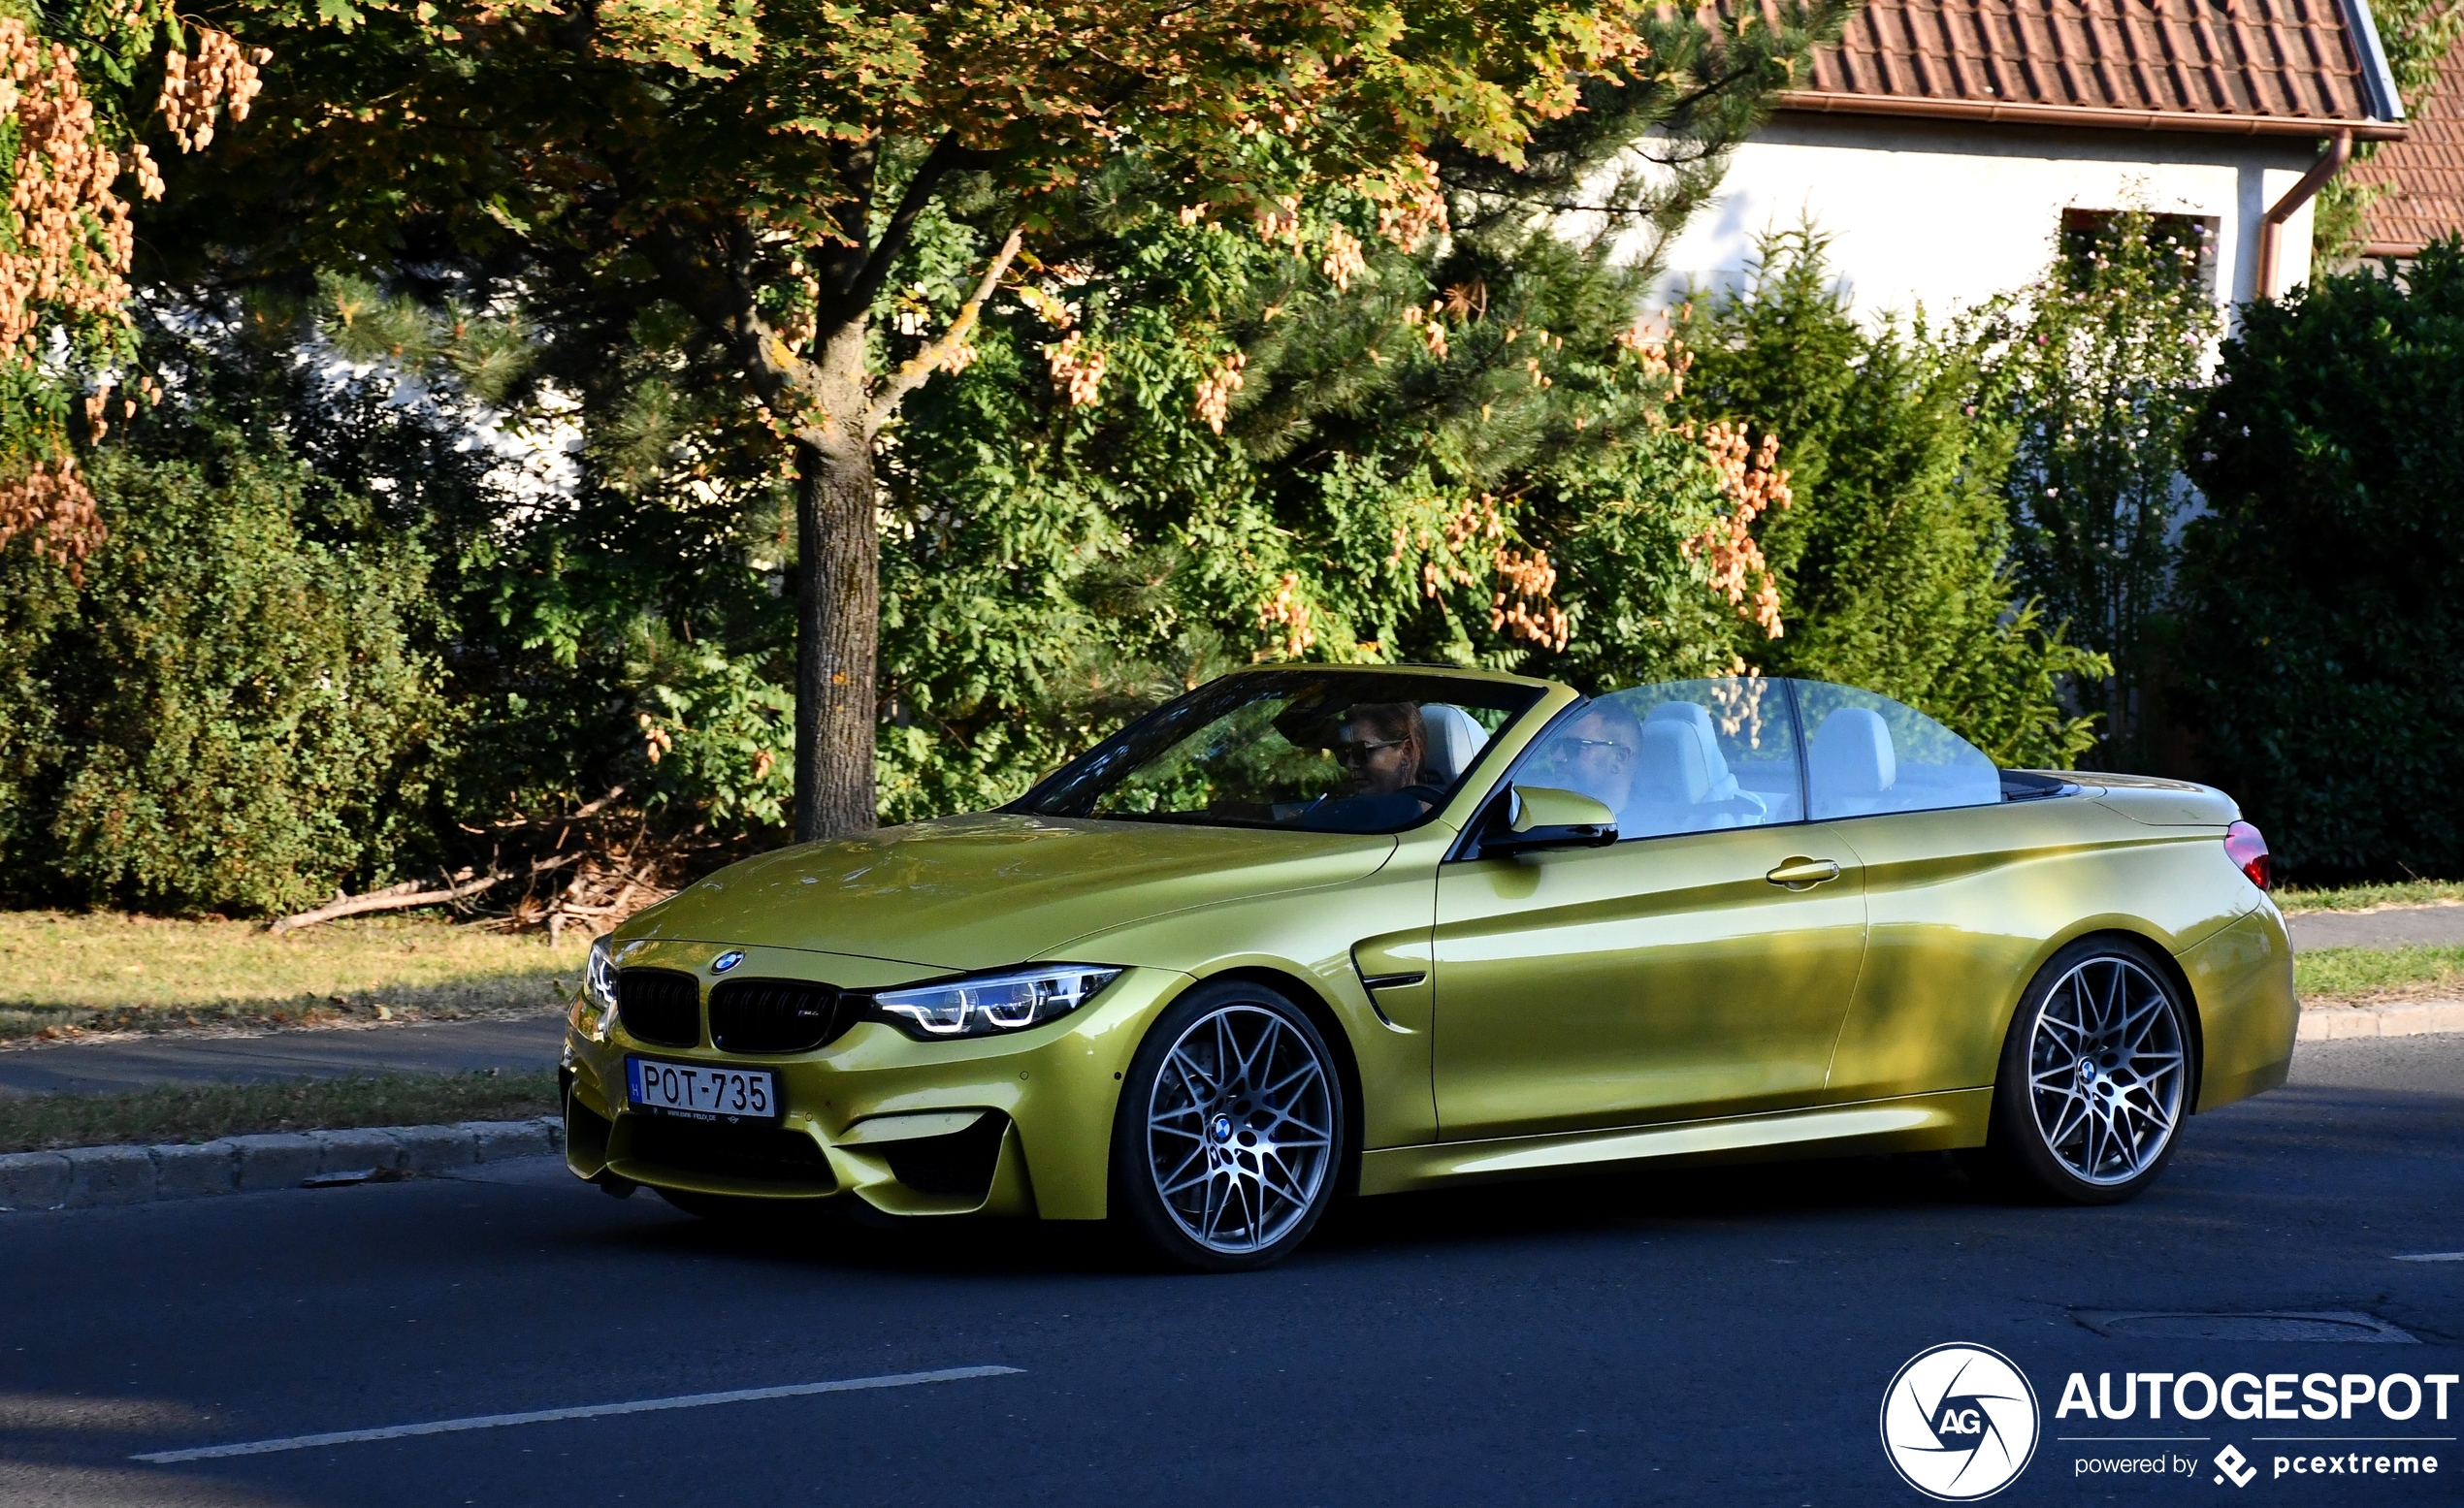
1230 1130
2097 1076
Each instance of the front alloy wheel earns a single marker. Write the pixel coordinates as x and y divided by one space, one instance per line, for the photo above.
2097 1076
1230 1130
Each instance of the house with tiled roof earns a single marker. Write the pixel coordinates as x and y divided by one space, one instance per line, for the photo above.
1942 142
2420 179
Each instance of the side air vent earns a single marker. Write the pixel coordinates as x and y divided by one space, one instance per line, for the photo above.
960 1164
659 1006
775 1016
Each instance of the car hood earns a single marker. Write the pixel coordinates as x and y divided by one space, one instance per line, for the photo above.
977 892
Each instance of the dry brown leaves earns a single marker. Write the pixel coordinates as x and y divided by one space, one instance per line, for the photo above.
1751 483
69 252
1657 350
624 863
65 255
1523 605
1215 391
1289 618
54 508
222 76
1343 260
607 886
1078 370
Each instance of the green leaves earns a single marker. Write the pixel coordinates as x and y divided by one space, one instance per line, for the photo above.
236 719
1894 556
1173 443
2102 371
2322 638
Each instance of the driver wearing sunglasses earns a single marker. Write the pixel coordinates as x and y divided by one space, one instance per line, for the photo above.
1594 756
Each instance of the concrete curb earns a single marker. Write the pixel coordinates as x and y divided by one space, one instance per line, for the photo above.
2403 1018
87 1177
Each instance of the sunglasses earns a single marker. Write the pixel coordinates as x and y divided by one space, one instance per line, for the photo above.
1359 754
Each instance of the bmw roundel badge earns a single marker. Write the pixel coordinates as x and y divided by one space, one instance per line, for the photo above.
726 961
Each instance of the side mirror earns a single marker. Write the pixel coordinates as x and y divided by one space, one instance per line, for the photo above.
1533 817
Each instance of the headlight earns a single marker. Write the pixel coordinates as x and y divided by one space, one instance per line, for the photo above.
1011 1001
599 988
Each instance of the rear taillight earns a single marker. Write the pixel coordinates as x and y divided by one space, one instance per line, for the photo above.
2248 851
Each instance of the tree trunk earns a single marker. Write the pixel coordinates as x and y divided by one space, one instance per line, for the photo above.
838 602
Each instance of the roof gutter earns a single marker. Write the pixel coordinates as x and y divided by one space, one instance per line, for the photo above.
1835 101
2271 230
2377 77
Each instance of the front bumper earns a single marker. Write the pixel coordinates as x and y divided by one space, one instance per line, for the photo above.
1011 1125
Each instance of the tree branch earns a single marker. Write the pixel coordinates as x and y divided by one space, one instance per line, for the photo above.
711 283
911 377
409 893
945 157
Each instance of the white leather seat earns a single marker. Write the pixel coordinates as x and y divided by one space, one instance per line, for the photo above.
1852 763
1669 767
1672 784
1737 807
1696 720
1455 741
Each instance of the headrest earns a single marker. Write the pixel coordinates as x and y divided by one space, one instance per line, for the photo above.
1697 718
1669 766
1852 755
1454 742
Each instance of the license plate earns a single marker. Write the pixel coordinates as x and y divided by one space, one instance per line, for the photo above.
700 1091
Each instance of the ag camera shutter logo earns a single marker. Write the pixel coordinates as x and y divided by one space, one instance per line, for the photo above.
1959 1423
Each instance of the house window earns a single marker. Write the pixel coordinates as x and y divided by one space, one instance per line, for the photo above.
2086 232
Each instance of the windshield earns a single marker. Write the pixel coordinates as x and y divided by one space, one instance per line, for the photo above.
1321 751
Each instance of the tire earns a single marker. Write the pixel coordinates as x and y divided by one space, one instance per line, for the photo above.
2098 1071
1230 1131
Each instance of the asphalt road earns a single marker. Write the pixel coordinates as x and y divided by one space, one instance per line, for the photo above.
1714 1336
412 1047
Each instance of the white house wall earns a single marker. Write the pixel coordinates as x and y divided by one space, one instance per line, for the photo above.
1944 215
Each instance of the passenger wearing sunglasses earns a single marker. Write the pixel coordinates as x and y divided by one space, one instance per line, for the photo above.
1382 747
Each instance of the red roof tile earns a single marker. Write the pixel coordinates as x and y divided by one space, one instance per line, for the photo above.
2271 67
2424 173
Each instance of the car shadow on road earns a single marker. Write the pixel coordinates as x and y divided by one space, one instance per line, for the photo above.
1661 1195
832 1239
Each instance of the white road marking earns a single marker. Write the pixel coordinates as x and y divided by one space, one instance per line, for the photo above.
2434 1255
307 1442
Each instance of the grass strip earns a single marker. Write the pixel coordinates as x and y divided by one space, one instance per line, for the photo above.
63 973
2360 975
2366 897
200 1112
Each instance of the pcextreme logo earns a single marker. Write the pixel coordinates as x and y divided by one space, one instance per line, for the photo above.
1960 1422
2232 1462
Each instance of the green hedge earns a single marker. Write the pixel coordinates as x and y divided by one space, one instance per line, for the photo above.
226 713
2322 597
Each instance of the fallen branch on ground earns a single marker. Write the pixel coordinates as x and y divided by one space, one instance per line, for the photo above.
416 892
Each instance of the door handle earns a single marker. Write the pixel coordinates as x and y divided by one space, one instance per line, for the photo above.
1804 874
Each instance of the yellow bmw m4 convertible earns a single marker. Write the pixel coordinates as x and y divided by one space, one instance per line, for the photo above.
1317 931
